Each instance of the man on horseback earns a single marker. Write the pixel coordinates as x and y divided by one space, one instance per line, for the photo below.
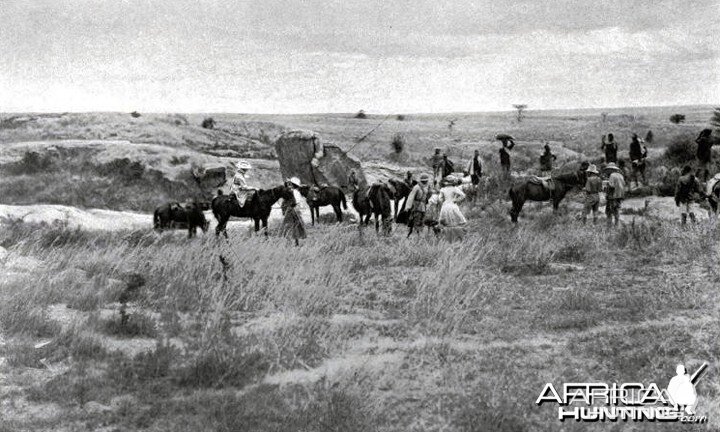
638 153
239 186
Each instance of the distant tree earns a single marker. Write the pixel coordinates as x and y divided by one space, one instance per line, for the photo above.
649 137
715 119
398 143
135 114
677 118
520 108
208 123
360 115
451 123
603 117
400 117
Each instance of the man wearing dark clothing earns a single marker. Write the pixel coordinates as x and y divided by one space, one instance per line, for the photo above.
638 153
610 148
505 160
447 166
546 160
686 192
704 152
474 168
508 143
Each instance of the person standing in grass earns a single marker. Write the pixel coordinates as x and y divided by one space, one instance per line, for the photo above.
546 162
614 194
417 203
637 153
704 153
292 225
688 189
508 143
437 166
593 186
474 169
610 148
450 214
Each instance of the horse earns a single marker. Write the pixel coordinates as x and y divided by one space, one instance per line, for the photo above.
173 215
400 191
361 204
379 196
532 191
256 207
320 197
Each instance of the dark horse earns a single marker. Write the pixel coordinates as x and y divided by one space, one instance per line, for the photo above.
529 190
401 191
362 205
380 199
375 201
176 216
321 197
256 207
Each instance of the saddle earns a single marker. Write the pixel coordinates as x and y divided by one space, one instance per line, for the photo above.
546 182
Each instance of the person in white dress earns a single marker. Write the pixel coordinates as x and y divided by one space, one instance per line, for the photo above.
450 214
239 185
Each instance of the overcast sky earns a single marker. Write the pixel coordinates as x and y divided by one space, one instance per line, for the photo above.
281 56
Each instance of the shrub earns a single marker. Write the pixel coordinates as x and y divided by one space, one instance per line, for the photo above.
208 123
361 115
398 143
32 162
135 114
677 118
132 325
681 150
400 117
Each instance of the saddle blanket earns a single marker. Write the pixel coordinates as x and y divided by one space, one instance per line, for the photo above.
545 182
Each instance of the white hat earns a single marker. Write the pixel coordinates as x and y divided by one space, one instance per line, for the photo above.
592 169
242 165
451 179
296 181
612 166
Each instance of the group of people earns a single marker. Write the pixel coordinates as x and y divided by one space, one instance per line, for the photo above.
428 205
614 190
637 153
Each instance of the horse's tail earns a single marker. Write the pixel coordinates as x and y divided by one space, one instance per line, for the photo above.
343 200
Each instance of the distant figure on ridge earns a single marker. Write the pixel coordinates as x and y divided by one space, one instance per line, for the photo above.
637 153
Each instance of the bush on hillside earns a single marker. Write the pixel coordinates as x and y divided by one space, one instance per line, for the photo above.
360 115
681 150
208 123
677 118
398 143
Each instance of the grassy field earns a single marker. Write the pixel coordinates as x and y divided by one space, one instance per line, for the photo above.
134 330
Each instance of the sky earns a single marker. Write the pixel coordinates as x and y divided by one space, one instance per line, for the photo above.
382 56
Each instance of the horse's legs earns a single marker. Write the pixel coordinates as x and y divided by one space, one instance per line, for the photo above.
264 225
338 212
257 224
312 214
397 202
377 223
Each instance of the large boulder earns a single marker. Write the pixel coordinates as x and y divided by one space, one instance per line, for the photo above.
302 154
210 175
